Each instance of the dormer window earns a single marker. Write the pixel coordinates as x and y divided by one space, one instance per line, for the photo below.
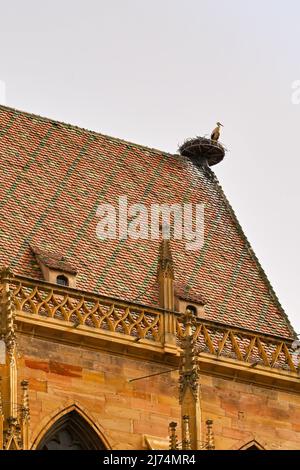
197 309
62 280
55 267
189 300
193 309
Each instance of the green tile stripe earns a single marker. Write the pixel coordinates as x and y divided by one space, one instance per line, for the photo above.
30 162
149 276
262 315
9 125
232 281
153 267
204 249
105 188
53 200
113 257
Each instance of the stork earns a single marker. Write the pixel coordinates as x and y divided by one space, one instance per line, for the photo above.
216 132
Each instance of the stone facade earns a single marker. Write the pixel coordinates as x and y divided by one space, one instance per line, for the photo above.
245 412
97 384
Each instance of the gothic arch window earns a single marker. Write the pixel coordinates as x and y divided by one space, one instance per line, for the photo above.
71 432
252 445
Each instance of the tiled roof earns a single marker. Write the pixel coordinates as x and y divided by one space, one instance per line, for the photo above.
190 295
54 176
53 260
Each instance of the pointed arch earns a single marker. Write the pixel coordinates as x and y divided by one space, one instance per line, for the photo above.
252 445
73 426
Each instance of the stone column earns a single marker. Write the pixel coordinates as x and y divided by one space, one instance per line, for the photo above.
189 386
8 336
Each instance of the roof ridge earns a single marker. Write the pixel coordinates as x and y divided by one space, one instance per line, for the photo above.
89 131
250 250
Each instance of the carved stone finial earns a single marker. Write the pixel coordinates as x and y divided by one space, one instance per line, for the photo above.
210 440
189 368
186 438
189 321
165 262
165 276
25 411
173 441
5 272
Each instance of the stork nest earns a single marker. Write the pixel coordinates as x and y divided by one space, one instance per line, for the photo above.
203 151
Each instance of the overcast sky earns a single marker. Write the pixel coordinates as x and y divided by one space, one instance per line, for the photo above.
158 71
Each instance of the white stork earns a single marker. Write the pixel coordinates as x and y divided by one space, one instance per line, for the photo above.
216 132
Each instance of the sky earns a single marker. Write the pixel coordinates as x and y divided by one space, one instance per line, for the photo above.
156 72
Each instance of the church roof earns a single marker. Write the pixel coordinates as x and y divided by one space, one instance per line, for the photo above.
53 260
55 175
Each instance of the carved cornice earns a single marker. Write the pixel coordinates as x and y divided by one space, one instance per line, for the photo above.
126 327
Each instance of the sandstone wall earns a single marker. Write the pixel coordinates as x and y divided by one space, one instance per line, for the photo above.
97 382
243 412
